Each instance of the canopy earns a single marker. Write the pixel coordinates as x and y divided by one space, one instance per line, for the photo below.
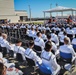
60 9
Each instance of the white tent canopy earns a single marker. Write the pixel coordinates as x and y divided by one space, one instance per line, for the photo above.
60 9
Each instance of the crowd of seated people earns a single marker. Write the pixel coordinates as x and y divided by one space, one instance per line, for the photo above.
55 39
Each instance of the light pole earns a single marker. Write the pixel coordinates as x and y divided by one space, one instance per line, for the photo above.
50 8
57 6
29 13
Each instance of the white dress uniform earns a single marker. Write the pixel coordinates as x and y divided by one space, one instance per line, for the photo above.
67 29
57 29
43 28
29 53
1 55
70 32
12 47
31 33
34 27
44 37
60 33
55 39
5 43
29 26
53 28
74 30
21 26
19 49
1 39
40 42
74 41
54 47
50 60
61 37
39 28
47 28
5 61
15 27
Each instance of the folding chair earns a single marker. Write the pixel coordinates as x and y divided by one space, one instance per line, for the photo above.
44 70
0 48
31 38
30 62
65 58
74 46
4 50
19 57
38 49
11 53
70 36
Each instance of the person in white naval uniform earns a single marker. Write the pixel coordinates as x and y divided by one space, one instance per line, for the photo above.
54 38
70 33
49 59
19 49
1 39
62 36
54 47
39 41
44 35
32 32
74 40
5 43
29 53
68 49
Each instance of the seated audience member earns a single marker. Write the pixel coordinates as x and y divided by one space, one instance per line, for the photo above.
62 38
5 61
9 71
18 48
54 38
54 47
49 59
2 69
43 35
29 53
39 41
74 40
1 38
2 59
5 43
70 33
32 32
67 48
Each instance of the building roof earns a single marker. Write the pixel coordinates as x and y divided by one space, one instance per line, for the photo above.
60 9
20 10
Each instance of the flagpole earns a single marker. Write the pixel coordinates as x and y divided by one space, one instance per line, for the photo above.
29 13
50 9
57 12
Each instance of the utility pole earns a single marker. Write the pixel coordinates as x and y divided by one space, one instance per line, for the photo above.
57 6
29 13
50 9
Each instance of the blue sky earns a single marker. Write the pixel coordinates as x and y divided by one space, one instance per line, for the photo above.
38 6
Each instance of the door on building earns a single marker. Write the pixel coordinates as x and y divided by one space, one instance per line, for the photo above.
3 21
